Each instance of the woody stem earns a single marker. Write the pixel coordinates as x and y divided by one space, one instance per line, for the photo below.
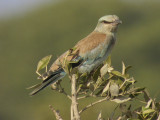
74 106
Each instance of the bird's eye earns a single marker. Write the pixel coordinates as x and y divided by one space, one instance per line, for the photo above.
106 22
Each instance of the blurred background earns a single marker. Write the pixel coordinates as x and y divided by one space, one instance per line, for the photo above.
32 29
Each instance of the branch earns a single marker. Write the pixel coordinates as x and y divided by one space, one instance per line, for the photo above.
92 104
65 93
82 97
159 116
86 96
72 116
60 89
74 105
56 113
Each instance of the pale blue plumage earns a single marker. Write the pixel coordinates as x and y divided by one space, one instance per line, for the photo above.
97 56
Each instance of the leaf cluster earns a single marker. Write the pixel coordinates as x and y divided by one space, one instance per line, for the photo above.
148 111
106 82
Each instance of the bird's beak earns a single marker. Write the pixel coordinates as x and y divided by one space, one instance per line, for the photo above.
118 21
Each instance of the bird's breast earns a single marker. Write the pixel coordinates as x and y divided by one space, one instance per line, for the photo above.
97 55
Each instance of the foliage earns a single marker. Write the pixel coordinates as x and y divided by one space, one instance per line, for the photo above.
148 111
108 84
43 63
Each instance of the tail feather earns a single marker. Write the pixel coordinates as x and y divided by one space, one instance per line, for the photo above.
50 80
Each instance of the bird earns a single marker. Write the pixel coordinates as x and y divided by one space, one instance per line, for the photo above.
91 51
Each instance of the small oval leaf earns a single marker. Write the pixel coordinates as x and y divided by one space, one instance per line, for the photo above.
43 62
106 88
117 74
108 61
127 68
104 70
114 89
148 111
123 68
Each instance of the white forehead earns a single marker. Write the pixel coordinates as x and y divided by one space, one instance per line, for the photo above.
109 18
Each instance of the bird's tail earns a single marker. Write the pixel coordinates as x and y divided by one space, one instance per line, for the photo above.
55 76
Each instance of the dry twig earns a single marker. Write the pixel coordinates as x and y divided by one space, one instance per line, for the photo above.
64 92
74 107
56 113
92 104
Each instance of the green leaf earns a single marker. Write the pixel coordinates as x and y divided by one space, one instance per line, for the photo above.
146 95
127 68
80 86
140 89
84 75
118 81
98 83
123 107
117 74
90 86
106 88
43 62
99 116
147 110
121 99
149 103
131 80
98 91
108 61
135 90
104 70
96 73
132 119
114 89
123 68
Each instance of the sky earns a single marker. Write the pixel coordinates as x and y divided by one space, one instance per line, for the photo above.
14 7
9 8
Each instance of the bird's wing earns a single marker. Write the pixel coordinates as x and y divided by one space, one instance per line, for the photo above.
91 42
86 49
94 46
83 49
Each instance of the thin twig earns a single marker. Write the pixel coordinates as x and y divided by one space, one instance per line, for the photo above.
123 84
56 113
74 98
92 104
61 90
86 96
82 97
78 90
140 100
111 117
65 93
72 116
81 93
158 116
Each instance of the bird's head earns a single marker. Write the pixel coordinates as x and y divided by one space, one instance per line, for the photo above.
108 23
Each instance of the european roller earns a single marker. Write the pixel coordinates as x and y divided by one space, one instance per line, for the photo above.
92 51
